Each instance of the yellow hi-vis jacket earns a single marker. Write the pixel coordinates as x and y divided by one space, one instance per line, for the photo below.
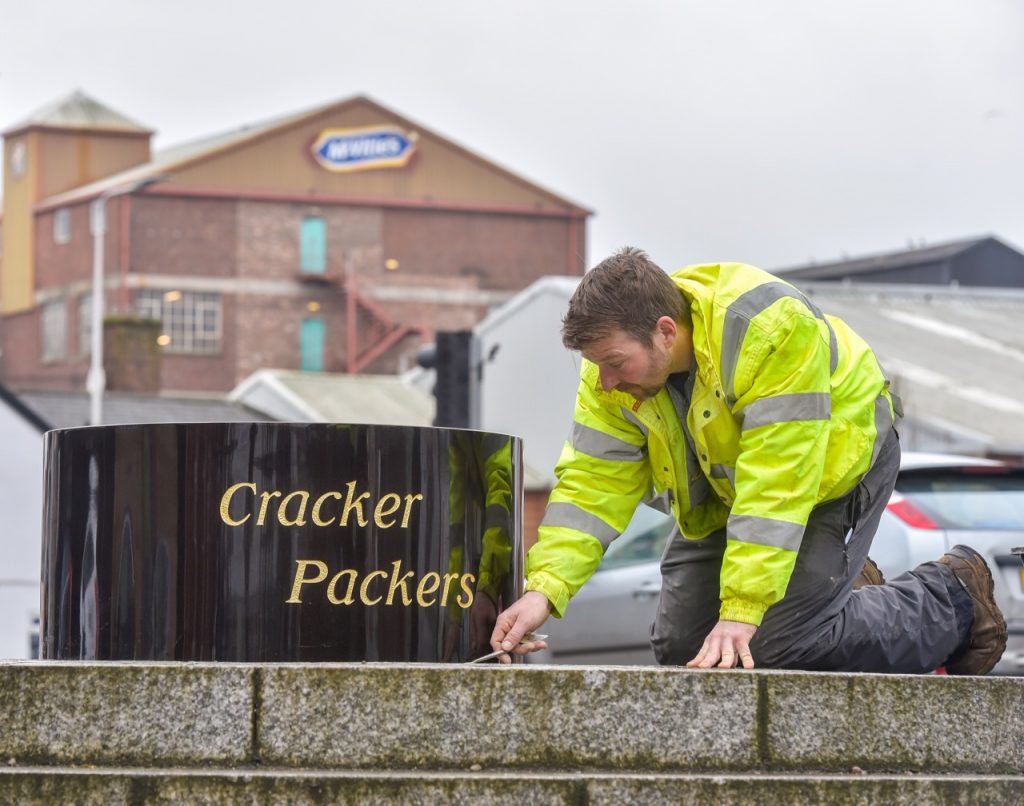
788 409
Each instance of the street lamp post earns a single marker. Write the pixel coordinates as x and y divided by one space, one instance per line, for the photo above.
96 380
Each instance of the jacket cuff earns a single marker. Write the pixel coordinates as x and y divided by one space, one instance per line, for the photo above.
554 589
742 610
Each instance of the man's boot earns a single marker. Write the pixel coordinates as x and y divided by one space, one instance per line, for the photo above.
987 639
870 574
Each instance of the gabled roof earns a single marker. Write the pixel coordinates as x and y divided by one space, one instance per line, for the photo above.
187 154
881 262
71 409
78 111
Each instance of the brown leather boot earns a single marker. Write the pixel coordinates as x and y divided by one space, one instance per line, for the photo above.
987 639
870 574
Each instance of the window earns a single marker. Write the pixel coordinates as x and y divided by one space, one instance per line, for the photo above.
643 541
314 245
311 345
191 319
977 498
62 225
55 328
85 325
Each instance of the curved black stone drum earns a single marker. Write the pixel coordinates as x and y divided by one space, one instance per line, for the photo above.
278 542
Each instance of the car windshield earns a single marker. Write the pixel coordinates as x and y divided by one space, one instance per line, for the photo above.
968 497
642 542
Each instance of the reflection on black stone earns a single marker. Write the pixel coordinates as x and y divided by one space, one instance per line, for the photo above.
278 542
480 471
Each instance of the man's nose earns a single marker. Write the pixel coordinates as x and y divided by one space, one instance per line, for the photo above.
608 380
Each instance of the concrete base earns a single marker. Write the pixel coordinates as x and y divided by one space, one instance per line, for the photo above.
134 732
314 788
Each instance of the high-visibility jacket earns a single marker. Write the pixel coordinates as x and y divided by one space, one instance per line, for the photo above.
787 410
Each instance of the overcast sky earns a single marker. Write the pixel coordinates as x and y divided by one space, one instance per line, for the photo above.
771 132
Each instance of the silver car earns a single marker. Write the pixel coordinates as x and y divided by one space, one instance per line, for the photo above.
940 501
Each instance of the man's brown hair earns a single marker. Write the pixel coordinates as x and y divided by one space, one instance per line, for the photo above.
627 291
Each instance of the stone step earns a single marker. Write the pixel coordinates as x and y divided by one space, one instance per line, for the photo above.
438 717
112 786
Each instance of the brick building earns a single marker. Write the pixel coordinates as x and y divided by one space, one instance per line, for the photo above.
336 239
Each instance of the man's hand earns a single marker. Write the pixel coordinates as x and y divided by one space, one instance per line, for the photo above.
523 617
726 645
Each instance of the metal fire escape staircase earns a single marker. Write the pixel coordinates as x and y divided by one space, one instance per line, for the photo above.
379 332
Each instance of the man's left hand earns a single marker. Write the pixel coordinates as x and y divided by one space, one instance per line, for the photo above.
727 645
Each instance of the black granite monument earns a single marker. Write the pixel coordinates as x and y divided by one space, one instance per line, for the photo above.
278 542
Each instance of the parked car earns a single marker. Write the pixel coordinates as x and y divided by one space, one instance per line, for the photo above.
940 500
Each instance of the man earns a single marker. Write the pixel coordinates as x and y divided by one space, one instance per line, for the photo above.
768 429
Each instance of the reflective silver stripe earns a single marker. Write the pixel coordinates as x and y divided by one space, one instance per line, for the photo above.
571 516
494 443
787 408
635 420
765 532
737 320
604 446
883 422
724 472
496 515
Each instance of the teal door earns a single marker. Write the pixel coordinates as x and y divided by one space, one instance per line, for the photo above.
313 246
311 345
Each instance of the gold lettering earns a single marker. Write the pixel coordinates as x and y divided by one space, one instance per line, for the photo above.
225 502
348 598
366 584
263 509
318 503
300 578
341 590
448 579
409 499
464 582
300 517
399 583
423 589
379 512
357 505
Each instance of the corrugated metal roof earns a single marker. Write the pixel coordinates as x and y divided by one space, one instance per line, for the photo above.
881 262
338 398
79 111
955 356
71 409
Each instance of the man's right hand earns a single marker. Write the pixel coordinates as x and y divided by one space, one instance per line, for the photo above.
524 616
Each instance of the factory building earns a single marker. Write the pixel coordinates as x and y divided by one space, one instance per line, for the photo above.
338 239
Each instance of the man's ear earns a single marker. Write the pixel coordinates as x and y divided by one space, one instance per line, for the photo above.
667 329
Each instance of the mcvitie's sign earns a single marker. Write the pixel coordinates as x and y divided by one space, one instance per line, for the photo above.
278 542
360 149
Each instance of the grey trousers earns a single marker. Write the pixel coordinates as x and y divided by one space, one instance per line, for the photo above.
912 624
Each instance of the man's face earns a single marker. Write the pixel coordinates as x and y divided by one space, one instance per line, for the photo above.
628 365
